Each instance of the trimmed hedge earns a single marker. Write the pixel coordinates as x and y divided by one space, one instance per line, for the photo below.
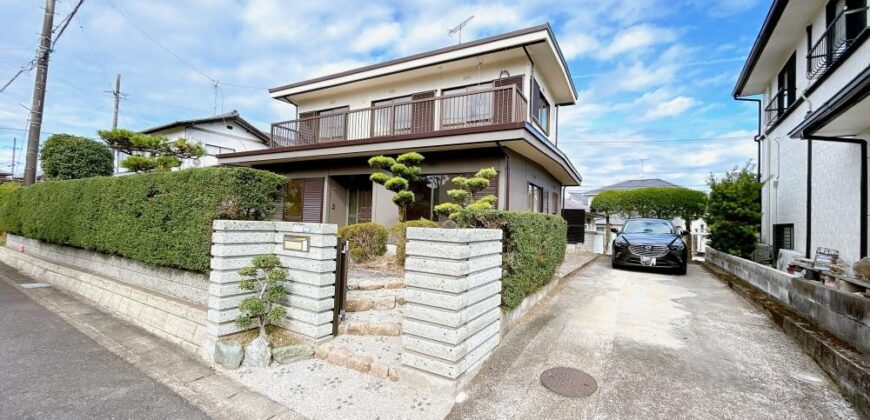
398 232
163 219
64 156
366 240
534 246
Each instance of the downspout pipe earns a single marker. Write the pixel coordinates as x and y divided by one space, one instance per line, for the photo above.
864 194
507 177
758 137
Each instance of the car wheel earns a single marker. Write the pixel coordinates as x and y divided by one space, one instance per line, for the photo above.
613 263
682 270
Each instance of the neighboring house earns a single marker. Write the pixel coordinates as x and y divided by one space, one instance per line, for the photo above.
812 65
223 133
491 102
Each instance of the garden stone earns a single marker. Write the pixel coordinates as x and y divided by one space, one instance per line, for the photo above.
358 304
393 374
384 303
322 351
380 370
397 284
358 328
228 354
292 353
257 353
338 356
360 363
370 285
386 328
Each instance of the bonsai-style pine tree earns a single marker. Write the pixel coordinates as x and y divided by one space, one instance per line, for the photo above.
404 169
463 196
266 278
148 153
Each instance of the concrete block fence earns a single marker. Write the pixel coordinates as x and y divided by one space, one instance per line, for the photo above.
452 318
311 274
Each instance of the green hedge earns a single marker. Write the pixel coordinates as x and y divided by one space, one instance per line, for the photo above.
162 219
399 233
534 246
366 240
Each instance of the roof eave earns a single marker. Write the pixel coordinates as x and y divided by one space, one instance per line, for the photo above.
770 22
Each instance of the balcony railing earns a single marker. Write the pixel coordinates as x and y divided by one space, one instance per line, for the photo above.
778 104
839 36
480 108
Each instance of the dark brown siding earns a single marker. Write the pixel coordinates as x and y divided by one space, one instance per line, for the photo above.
503 106
312 200
492 189
423 113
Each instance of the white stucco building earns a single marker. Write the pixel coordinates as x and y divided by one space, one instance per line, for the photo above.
222 133
809 70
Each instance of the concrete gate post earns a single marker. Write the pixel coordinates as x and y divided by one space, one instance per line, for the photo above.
452 319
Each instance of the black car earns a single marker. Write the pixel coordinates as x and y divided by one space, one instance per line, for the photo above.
653 243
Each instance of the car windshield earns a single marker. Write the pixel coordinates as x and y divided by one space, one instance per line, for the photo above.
648 226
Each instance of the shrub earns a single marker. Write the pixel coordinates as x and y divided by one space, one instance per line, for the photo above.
534 246
5 189
162 219
734 212
366 240
65 156
266 279
463 195
398 232
405 169
149 152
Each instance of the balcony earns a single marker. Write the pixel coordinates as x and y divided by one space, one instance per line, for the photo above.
479 110
778 105
839 36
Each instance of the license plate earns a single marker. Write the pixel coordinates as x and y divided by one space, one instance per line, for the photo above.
650 261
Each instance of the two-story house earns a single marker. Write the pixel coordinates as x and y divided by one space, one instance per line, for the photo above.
811 65
493 102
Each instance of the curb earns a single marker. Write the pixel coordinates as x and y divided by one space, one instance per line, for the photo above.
844 364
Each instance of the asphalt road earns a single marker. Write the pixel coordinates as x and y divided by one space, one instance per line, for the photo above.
49 370
659 346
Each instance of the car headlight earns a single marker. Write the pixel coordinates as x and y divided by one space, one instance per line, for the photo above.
620 242
677 245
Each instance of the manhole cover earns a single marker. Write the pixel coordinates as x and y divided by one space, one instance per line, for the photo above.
569 382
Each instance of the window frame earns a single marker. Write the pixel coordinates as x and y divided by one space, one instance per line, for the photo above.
538 98
536 198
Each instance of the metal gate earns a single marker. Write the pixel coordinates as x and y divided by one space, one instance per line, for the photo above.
576 219
340 284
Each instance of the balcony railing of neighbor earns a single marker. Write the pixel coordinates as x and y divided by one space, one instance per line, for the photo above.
480 108
778 104
839 36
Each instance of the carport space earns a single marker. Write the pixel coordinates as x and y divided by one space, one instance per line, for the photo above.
660 346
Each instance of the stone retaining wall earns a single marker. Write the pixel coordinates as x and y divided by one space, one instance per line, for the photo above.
178 321
311 274
845 315
185 285
452 318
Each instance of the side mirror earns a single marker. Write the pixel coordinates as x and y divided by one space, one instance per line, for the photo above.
684 233
614 230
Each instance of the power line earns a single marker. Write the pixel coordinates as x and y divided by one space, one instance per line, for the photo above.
66 22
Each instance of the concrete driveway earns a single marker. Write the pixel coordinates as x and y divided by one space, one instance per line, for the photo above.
659 346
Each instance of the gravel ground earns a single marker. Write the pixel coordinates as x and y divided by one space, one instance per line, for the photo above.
319 390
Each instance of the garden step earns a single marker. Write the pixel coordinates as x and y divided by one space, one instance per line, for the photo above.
380 323
377 356
379 300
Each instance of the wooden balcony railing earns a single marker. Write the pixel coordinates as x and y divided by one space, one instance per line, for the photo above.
485 107
839 36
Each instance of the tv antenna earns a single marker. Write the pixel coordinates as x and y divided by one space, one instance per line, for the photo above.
642 161
458 29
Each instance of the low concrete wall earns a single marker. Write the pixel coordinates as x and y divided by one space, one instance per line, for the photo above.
845 315
311 274
175 320
452 320
185 285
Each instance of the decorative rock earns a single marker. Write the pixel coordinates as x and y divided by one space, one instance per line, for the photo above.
384 303
358 328
228 354
292 353
257 353
395 284
360 363
322 351
400 300
338 356
358 304
386 328
393 374
370 285
380 370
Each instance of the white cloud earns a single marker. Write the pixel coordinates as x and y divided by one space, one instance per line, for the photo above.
637 38
575 45
670 108
376 37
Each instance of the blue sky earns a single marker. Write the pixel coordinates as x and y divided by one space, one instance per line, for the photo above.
654 76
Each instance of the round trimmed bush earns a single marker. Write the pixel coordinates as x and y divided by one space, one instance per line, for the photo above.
65 156
366 240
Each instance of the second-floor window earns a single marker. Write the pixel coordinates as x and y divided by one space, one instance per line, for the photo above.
332 123
394 119
473 105
786 81
540 107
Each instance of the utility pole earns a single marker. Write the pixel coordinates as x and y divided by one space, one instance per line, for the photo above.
117 94
39 85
